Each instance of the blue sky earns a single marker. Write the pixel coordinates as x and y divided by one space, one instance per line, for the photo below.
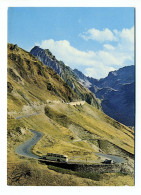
93 40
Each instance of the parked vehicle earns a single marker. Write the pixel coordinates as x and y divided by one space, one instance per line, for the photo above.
107 161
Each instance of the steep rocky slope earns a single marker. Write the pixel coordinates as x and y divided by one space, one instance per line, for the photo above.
117 92
31 81
40 100
66 73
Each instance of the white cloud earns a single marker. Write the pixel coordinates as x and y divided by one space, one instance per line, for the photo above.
93 72
108 58
96 64
70 55
95 34
109 47
125 34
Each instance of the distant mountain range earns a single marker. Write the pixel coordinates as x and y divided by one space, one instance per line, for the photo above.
117 92
39 99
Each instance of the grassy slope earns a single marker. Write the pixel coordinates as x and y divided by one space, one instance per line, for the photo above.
67 129
31 173
32 81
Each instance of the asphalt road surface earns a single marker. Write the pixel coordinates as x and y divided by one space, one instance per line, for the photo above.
25 149
116 159
28 115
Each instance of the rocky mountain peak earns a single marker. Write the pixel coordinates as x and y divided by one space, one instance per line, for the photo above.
46 57
13 47
67 74
116 92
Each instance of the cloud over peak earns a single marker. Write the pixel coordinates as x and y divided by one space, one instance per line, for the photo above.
99 62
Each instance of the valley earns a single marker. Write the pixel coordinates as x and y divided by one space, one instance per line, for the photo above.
70 123
116 92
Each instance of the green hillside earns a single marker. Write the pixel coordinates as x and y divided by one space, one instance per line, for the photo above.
42 99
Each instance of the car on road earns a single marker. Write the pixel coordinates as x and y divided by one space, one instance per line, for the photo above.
108 161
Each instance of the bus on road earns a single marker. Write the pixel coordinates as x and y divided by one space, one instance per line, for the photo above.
55 157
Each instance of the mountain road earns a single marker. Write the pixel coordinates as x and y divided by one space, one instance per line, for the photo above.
115 159
25 149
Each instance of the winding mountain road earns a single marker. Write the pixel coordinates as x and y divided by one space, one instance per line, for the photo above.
25 149
116 159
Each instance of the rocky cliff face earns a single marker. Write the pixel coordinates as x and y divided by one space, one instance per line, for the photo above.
46 57
66 73
82 78
116 92
30 80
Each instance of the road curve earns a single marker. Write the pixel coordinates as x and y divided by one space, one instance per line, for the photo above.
116 159
25 149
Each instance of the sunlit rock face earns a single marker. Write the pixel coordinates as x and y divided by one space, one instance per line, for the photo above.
67 74
46 57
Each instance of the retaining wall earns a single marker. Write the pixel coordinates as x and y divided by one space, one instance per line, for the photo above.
97 168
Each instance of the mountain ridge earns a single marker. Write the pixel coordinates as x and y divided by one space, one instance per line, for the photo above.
66 73
24 69
39 99
117 92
